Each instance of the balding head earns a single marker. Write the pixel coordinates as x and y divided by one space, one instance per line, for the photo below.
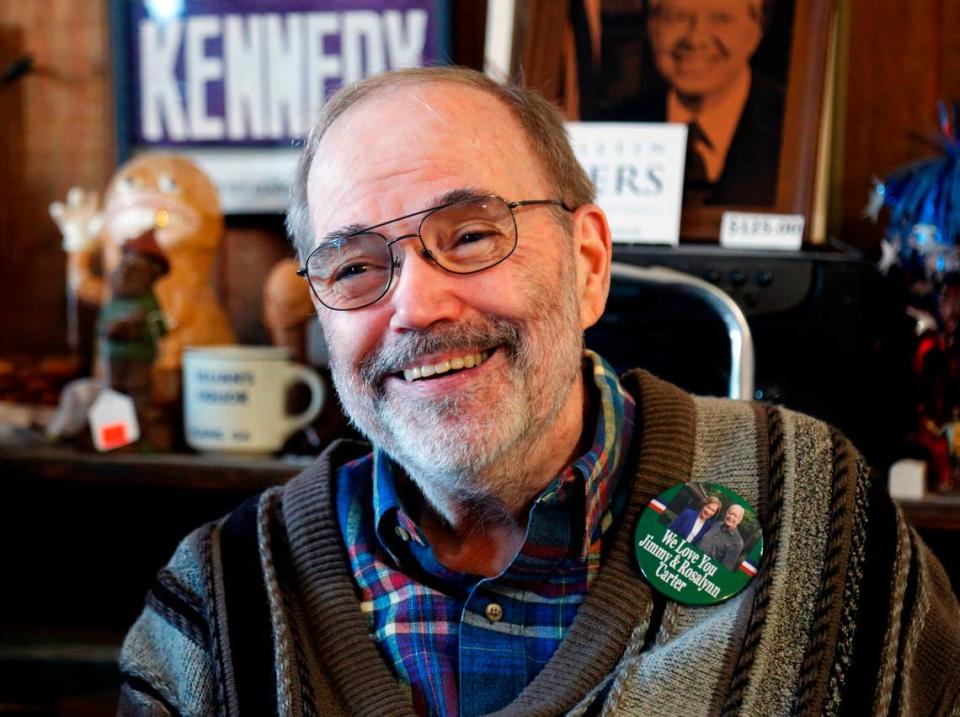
540 122
733 516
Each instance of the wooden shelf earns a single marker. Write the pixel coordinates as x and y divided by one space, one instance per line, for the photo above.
109 522
934 512
174 470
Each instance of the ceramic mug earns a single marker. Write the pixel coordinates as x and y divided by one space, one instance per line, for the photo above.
234 398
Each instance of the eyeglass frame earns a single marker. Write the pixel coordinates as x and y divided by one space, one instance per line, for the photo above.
425 252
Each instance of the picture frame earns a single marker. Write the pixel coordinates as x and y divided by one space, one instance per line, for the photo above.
606 56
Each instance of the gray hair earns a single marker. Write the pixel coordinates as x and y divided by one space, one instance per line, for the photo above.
540 120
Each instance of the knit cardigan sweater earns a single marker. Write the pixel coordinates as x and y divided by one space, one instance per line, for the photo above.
849 614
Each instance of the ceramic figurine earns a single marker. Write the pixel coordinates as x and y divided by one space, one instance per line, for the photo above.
130 325
170 194
287 308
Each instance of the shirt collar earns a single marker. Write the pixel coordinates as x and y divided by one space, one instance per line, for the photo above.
600 465
393 524
718 122
599 468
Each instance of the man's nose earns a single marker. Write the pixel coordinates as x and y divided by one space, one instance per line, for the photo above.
422 292
695 30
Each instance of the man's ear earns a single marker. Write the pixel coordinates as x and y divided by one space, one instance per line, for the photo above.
592 245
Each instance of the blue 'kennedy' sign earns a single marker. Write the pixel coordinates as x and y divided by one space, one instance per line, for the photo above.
229 72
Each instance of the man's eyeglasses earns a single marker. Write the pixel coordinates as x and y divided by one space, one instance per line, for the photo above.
461 237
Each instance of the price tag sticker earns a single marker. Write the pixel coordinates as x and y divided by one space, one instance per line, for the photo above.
113 420
751 230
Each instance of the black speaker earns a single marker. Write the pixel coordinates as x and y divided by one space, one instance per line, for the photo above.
830 340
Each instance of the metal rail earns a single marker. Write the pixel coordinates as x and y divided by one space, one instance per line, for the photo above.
742 382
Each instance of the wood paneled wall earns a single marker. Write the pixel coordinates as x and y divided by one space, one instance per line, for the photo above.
56 131
901 57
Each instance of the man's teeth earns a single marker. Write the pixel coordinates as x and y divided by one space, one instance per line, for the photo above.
454 364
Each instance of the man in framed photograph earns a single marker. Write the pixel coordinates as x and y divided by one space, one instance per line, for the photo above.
702 50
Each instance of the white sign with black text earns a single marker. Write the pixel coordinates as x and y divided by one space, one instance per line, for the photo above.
755 230
638 171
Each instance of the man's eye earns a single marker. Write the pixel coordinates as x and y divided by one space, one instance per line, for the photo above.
357 269
674 16
721 18
473 237
467 234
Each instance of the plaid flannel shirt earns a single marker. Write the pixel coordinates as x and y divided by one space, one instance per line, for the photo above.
464 644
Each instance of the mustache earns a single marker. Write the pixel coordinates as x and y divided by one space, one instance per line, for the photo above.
407 347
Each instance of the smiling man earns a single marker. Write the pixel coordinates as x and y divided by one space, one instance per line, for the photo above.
723 542
477 555
702 50
478 438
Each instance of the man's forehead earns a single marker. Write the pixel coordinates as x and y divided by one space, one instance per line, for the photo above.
408 105
754 7
436 201
404 148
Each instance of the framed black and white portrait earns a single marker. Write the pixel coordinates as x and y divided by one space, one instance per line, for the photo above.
745 76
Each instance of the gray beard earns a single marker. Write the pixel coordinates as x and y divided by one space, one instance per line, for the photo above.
452 450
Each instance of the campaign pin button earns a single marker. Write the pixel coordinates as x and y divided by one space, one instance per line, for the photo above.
698 543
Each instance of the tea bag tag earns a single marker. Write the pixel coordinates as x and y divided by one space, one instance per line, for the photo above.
698 543
113 420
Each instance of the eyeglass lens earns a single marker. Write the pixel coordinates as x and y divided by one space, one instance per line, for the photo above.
462 238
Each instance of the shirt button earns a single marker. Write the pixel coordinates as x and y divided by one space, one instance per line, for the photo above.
493 612
402 534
